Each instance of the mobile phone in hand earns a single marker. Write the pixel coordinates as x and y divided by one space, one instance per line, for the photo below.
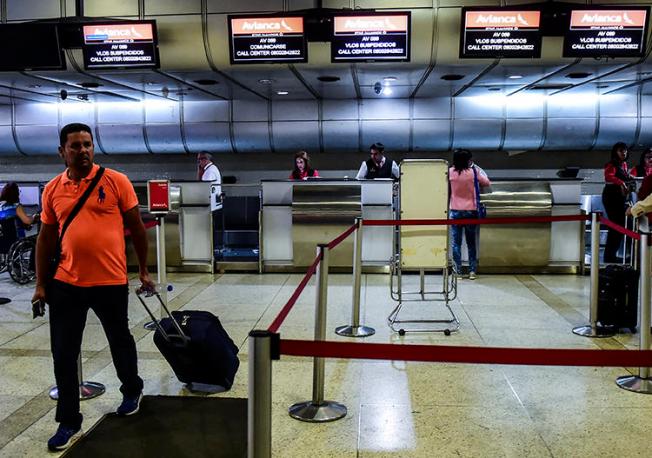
38 308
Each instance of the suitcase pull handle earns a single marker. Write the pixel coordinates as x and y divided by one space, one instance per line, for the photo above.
142 292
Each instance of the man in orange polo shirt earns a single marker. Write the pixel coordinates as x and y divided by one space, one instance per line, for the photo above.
92 274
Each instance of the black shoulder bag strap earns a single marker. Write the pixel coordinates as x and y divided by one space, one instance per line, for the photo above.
80 203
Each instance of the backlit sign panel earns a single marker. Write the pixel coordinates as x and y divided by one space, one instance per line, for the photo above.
371 37
265 39
607 32
500 33
118 45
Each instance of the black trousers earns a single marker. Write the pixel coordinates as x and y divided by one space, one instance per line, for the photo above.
68 309
613 201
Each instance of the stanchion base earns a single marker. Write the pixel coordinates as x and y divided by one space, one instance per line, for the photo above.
635 383
317 413
150 326
4 300
355 331
597 331
87 390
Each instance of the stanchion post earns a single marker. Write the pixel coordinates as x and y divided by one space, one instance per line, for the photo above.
355 329
318 409
594 329
259 405
161 268
87 390
642 383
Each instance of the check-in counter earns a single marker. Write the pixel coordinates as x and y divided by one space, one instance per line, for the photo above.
540 247
188 228
297 215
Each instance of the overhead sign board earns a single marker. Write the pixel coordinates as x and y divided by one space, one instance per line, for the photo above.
607 32
265 39
500 33
371 37
117 45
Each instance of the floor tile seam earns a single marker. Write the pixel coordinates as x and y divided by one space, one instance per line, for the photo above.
24 417
25 333
602 343
255 325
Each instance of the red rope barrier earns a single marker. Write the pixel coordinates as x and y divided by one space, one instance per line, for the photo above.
280 318
477 355
465 221
336 241
619 228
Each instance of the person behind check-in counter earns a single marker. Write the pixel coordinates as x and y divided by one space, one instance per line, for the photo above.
377 166
302 169
614 194
644 166
208 171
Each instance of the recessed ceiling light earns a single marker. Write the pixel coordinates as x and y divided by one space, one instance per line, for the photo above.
387 90
206 82
452 77
282 92
34 86
493 89
151 83
515 77
90 84
603 86
265 81
578 75
389 79
328 79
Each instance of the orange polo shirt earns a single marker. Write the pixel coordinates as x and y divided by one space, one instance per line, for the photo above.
93 247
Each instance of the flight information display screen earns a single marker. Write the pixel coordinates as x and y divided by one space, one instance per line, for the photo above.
371 37
30 46
265 39
118 45
501 33
602 32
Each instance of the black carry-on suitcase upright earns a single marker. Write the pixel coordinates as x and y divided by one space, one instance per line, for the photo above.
618 296
195 345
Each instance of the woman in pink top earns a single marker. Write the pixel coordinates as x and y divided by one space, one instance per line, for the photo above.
464 204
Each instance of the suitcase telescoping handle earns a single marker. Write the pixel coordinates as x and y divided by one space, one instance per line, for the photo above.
140 293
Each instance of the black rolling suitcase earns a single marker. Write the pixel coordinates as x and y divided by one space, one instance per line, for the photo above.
618 296
196 346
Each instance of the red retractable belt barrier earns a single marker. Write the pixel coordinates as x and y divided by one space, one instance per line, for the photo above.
339 239
466 221
619 228
148 225
278 321
478 355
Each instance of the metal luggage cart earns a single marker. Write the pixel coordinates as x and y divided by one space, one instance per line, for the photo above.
423 194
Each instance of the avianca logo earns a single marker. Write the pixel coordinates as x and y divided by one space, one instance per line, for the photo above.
622 18
118 32
267 25
478 19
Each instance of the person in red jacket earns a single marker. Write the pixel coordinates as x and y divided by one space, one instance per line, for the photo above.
302 169
617 179
644 167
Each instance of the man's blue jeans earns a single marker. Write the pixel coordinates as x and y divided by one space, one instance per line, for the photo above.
471 231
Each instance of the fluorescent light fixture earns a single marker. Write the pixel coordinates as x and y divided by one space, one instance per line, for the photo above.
389 79
282 92
515 77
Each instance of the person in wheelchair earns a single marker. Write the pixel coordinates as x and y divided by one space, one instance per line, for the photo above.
16 251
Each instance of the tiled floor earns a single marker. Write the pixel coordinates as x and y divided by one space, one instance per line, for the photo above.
394 408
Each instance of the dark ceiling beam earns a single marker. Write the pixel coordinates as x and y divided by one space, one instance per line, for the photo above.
303 81
603 75
477 78
356 81
545 77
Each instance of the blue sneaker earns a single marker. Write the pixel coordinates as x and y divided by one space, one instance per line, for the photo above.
63 438
129 405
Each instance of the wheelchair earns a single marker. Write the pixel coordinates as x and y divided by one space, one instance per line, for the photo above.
17 255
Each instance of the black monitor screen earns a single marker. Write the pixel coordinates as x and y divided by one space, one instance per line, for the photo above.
489 33
30 46
130 44
607 32
360 37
